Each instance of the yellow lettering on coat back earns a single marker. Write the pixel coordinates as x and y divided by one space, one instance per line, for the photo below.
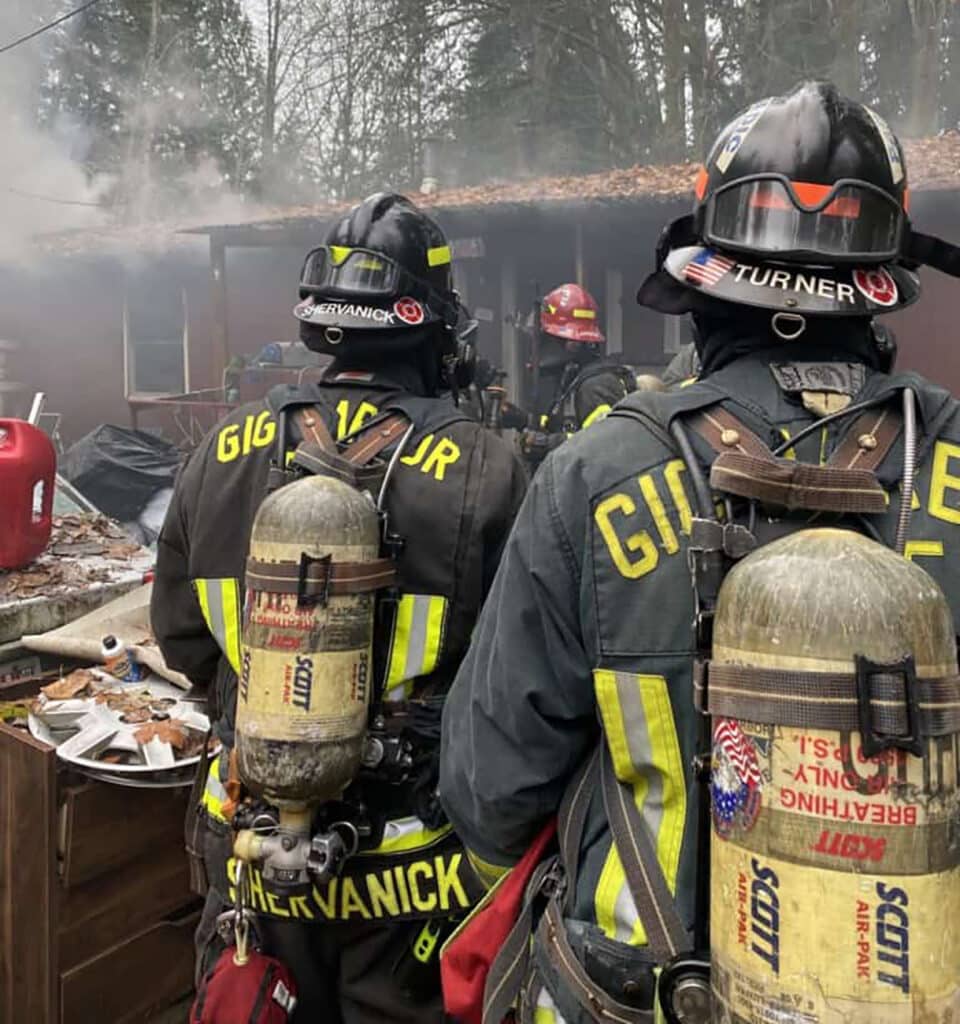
300 908
275 908
415 457
383 894
445 454
327 902
448 882
421 902
641 541
350 900
942 481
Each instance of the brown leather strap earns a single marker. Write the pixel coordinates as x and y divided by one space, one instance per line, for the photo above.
323 462
572 818
314 429
320 454
725 433
798 485
827 700
373 438
746 467
868 441
332 578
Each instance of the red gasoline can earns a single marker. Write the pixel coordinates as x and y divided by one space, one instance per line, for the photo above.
28 473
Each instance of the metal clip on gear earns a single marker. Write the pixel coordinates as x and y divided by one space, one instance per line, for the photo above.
684 990
330 850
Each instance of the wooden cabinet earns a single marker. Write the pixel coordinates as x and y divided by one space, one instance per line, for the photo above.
96 916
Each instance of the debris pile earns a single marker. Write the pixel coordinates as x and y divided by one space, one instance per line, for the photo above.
84 549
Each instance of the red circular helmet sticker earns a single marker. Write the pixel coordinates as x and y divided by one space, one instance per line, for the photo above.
409 311
876 285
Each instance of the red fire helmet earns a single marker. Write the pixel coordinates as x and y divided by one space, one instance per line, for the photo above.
570 313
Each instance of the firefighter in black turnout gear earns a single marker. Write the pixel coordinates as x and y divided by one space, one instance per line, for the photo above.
572 385
378 297
576 695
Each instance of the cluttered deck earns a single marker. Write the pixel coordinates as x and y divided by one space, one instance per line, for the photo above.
96 912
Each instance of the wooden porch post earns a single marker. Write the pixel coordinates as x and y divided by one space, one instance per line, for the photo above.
613 303
218 294
512 359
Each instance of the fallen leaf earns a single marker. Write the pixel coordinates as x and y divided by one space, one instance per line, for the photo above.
173 732
70 686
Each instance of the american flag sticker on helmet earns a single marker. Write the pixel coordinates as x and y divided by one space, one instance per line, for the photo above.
707 268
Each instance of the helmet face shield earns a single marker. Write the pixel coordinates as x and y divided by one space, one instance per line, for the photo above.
356 272
850 221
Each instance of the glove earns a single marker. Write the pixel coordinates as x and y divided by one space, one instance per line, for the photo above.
513 417
535 445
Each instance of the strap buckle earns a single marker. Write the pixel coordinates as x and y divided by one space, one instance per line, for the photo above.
872 740
319 589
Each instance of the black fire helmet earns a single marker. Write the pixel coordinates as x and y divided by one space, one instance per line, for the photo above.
801 206
383 270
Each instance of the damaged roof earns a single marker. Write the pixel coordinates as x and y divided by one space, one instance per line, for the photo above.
933 163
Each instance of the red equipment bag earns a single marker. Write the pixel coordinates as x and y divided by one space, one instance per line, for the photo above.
261 991
466 959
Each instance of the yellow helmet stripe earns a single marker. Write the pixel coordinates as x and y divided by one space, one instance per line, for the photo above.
338 253
438 256
585 314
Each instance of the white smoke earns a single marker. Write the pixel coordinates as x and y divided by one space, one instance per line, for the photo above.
43 188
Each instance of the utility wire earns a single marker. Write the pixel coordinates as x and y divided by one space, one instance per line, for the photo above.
50 25
51 199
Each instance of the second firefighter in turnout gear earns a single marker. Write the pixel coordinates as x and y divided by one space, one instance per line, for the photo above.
378 297
572 385
576 695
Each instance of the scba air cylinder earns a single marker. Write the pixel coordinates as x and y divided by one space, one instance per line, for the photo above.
835 877
305 681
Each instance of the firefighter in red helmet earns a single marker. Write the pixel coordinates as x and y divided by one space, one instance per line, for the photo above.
572 385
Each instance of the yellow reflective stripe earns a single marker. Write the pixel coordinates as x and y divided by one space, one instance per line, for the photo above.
491 875
231 620
436 615
219 601
584 314
398 649
605 686
438 256
405 834
214 795
687 382
641 734
823 445
417 641
338 253
543 420
597 414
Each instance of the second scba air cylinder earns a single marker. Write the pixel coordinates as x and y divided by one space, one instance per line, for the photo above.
836 877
